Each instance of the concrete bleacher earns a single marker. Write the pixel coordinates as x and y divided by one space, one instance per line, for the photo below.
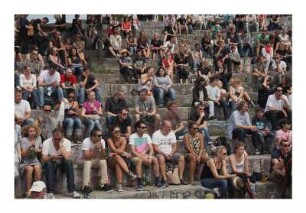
106 69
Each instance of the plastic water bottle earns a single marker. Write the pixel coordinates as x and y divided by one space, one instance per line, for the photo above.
49 91
253 187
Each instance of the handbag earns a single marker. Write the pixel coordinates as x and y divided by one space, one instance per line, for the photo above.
172 174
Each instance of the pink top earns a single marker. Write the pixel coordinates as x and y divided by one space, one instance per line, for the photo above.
91 110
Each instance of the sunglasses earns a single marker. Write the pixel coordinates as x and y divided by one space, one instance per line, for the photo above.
71 97
143 127
100 136
117 131
125 114
47 110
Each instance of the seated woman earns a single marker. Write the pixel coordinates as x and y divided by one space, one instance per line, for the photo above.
215 174
55 60
131 41
126 66
30 148
240 165
143 44
27 82
156 47
126 26
91 112
72 120
118 156
76 61
237 94
162 85
168 64
146 79
204 70
195 149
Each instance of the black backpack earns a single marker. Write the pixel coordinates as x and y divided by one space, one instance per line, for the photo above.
223 141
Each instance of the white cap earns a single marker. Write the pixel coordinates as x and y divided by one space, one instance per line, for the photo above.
38 186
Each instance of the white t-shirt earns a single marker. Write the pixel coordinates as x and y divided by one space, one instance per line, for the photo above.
213 92
273 102
22 108
164 142
47 78
27 82
49 149
140 143
87 144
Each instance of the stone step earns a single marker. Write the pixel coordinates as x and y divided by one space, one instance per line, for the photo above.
267 190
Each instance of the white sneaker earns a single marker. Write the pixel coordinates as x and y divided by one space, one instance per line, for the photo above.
119 188
74 195
50 196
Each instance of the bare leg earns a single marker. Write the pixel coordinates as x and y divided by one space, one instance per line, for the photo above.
181 166
28 170
162 167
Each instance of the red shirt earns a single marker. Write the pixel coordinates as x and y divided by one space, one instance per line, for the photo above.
68 81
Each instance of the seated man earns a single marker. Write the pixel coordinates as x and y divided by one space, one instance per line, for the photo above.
277 107
56 152
142 151
165 147
263 136
49 84
284 133
88 83
239 123
94 155
124 121
22 110
214 99
145 109
173 115
279 158
68 82
114 105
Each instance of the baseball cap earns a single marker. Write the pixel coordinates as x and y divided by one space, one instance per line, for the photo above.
38 186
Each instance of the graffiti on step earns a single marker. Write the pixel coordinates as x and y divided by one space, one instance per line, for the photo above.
171 194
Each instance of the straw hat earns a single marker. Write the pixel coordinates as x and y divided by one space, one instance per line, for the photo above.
238 182
124 51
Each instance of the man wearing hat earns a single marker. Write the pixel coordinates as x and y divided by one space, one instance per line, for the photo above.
38 190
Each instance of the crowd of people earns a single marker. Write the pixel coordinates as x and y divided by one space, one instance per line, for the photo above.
52 74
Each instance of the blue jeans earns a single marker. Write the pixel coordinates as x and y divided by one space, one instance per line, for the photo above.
206 135
225 186
25 96
57 91
71 123
82 95
91 124
77 70
160 94
65 166
240 134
